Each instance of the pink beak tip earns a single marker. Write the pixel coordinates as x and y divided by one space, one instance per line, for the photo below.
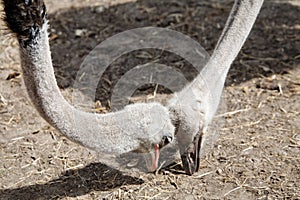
155 159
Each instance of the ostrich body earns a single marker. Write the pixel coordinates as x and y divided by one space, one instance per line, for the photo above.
139 127
195 105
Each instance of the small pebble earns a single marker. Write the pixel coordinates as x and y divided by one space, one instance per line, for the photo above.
80 32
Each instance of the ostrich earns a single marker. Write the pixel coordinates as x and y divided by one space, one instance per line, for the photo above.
138 127
148 126
195 105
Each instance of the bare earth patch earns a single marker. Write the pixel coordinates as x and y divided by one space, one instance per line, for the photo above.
257 155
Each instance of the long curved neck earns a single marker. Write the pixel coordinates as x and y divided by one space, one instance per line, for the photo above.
236 31
41 83
43 90
234 35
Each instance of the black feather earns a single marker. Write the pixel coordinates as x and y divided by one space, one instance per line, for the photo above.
25 18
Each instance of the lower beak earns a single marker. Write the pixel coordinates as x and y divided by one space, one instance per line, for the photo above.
154 158
191 157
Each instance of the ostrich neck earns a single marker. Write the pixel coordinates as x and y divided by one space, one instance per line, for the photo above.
100 132
41 83
234 35
207 87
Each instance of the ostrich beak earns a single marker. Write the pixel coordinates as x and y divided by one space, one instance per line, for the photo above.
191 157
167 138
154 158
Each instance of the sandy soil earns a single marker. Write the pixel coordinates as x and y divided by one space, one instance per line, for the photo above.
256 155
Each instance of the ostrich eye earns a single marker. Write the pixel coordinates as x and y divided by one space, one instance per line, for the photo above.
166 139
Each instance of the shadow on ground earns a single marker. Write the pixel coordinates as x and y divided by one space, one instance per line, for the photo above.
94 177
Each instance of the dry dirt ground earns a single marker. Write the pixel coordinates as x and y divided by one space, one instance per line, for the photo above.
257 155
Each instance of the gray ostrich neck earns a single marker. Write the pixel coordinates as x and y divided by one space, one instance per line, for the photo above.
41 83
209 84
234 35
43 90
